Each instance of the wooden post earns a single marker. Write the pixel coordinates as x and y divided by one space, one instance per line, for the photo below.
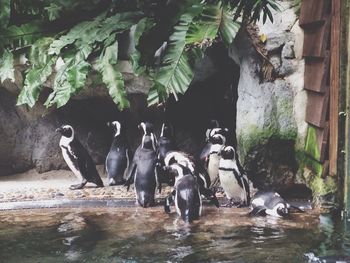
334 87
345 108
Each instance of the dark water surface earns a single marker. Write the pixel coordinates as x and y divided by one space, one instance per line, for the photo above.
149 235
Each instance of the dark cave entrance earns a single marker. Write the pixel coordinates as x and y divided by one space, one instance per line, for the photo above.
212 95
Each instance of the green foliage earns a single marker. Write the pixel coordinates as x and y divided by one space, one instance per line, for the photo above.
6 66
111 76
77 32
144 25
70 79
5 7
40 70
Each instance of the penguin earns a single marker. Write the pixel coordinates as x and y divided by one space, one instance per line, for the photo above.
142 171
188 201
187 161
117 161
78 158
270 203
218 142
166 141
205 153
234 183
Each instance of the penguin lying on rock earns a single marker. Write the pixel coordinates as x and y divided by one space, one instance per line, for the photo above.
234 183
188 201
118 157
78 158
142 171
270 203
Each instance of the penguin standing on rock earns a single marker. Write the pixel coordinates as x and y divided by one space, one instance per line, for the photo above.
142 171
188 201
234 183
217 143
117 160
78 158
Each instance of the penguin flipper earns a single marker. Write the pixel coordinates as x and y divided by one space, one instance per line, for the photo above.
259 210
130 178
298 209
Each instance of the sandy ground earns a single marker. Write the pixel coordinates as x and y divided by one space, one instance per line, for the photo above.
55 185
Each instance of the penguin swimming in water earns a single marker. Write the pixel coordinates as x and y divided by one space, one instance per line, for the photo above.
78 158
217 143
234 183
117 160
188 201
142 171
270 203
165 142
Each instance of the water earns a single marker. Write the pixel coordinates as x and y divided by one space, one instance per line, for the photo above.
149 235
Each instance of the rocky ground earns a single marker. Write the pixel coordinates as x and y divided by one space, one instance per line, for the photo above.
32 186
54 185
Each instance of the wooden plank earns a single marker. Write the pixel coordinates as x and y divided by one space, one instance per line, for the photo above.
316 73
317 143
313 12
316 109
316 40
334 89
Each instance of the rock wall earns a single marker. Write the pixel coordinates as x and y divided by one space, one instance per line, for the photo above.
270 115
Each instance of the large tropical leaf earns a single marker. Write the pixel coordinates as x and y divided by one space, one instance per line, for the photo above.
228 27
16 37
33 83
142 26
69 80
176 71
40 70
113 78
79 32
6 66
5 10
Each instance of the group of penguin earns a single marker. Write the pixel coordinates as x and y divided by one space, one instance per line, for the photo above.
156 162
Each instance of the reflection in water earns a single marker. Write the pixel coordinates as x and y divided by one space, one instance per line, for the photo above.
146 235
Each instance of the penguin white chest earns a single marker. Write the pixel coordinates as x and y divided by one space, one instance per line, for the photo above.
65 150
213 166
230 185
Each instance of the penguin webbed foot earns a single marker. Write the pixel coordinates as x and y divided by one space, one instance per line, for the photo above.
168 200
76 186
210 195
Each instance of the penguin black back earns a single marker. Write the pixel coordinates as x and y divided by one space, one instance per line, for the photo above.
142 170
117 160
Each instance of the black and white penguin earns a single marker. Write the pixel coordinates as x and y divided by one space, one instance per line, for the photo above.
269 203
165 141
234 183
142 171
78 158
213 128
117 161
188 201
217 143
187 161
